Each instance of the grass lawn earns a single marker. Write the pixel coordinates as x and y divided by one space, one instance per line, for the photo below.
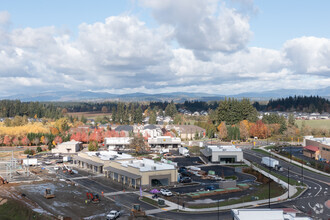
261 193
315 123
284 178
14 210
150 201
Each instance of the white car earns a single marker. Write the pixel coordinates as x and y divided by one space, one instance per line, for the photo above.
113 214
166 192
56 168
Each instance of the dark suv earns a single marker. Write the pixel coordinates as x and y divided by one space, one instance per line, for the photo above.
185 180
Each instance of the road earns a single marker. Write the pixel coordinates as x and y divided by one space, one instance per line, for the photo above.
313 199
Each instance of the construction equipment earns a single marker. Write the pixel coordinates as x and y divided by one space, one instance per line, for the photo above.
136 211
3 181
48 194
94 198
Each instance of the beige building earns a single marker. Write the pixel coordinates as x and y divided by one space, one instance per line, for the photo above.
68 147
145 172
125 169
188 132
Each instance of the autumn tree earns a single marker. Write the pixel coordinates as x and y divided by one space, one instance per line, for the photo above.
7 141
259 129
15 141
244 129
138 144
222 130
25 141
58 140
93 146
104 109
62 124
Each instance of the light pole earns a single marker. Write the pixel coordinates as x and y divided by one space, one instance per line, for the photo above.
302 172
288 182
270 157
178 201
218 209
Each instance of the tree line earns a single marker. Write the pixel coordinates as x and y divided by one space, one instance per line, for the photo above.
12 108
297 103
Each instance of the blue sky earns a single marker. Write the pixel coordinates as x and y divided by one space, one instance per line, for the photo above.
221 47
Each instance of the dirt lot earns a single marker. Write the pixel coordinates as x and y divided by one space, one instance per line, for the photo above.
69 200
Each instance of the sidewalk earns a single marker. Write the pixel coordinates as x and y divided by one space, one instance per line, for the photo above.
174 206
295 162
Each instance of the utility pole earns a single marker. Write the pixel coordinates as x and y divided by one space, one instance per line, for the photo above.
218 209
302 172
270 157
288 182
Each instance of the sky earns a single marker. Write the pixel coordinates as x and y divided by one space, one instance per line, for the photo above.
159 46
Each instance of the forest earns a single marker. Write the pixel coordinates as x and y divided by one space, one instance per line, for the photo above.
307 104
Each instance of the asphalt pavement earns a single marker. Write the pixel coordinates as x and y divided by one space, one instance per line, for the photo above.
312 200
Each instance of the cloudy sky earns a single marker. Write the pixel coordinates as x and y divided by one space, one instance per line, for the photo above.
156 46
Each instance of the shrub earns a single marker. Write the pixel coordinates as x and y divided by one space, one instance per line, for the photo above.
39 149
29 151
93 146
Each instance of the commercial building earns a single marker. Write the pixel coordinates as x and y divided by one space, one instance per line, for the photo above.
96 161
125 169
164 142
311 152
323 145
117 143
145 173
68 147
222 154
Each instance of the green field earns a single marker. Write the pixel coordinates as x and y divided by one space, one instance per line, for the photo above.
315 123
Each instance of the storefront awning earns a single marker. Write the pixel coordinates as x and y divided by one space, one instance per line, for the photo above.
122 172
88 161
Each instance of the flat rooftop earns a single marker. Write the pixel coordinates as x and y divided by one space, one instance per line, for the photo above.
145 165
110 155
224 148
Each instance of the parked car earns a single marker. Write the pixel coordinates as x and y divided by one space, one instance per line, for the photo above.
166 192
113 215
182 169
209 188
185 180
186 173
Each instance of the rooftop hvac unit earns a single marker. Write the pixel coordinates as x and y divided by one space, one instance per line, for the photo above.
141 164
154 168
131 161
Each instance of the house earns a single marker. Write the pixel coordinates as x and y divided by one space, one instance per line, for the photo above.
117 143
127 129
222 154
151 131
68 147
164 142
188 132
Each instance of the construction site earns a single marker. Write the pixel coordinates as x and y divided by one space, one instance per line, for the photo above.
50 191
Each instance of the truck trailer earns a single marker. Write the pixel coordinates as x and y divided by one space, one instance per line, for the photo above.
184 151
30 161
272 163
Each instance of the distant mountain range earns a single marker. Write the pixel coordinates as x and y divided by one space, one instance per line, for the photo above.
78 96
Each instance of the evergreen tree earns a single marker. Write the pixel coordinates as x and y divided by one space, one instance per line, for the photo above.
152 117
138 115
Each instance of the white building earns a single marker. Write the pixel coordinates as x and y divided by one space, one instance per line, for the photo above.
164 142
265 214
68 147
223 154
117 143
151 131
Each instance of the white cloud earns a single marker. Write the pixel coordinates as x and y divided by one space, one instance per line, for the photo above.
203 25
122 54
309 55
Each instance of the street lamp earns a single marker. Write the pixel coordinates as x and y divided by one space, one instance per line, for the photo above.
218 209
288 182
270 154
179 201
122 183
